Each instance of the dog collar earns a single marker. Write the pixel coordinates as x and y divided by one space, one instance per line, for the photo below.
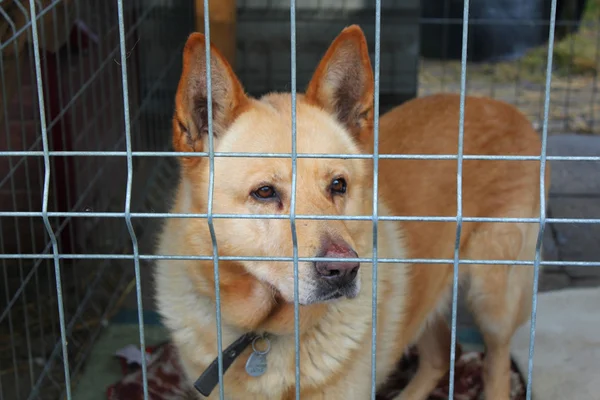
255 366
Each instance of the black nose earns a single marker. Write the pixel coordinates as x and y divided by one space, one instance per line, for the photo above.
337 273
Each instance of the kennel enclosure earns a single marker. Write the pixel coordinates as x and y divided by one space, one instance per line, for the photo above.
79 73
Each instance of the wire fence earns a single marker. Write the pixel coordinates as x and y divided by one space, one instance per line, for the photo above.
61 77
93 188
518 79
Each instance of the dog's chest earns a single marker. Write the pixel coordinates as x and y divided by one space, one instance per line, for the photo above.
320 375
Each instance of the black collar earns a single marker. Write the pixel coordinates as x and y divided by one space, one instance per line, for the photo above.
206 383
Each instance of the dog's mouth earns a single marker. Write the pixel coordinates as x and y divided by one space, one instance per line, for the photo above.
322 292
332 296
326 294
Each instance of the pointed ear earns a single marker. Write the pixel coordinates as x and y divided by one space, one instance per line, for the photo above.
190 122
343 83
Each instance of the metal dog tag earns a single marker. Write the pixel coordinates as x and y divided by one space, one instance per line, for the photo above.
257 362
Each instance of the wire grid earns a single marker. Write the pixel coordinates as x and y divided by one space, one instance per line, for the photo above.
263 26
503 68
512 47
61 90
57 259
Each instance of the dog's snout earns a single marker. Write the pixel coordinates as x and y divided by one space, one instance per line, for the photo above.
338 270
338 273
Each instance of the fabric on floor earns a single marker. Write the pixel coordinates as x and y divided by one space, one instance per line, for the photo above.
102 368
165 379
107 377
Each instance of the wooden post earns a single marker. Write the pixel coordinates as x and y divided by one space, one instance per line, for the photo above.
222 14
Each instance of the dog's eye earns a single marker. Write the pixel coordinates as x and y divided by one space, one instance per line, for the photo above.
182 127
265 193
338 186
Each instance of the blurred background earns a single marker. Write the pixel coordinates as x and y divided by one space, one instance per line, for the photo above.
83 107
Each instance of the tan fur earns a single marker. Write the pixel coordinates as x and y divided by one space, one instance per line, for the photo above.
336 116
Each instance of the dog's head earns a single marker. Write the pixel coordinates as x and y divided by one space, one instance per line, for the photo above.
334 116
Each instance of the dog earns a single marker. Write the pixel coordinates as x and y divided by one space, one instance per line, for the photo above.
335 115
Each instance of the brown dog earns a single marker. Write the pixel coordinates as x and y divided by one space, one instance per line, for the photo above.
335 116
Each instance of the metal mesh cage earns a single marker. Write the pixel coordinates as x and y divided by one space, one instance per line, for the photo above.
81 75
263 59
83 171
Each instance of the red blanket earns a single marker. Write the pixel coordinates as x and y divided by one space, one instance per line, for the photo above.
166 381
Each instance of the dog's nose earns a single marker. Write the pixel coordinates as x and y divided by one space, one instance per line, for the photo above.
337 273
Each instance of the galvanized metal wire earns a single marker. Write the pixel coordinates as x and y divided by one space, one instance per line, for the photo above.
543 220
294 155
109 256
299 155
48 157
211 188
375 198
133 236
158 215
32 318
57 266
459 211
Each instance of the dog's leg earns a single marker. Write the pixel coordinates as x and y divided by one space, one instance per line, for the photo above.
500 300
498 315
434 358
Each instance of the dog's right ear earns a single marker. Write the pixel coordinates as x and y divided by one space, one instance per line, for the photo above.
343 83
190 122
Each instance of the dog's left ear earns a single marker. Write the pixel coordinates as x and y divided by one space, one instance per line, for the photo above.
343 83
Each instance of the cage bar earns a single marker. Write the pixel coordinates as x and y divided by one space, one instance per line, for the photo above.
211 187
375 261
294 155
538 246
